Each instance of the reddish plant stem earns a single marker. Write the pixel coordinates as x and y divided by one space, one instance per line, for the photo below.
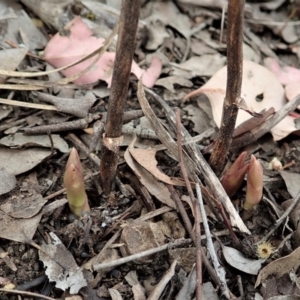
119 88
234 83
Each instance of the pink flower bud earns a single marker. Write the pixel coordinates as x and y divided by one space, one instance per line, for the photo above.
254 184
234 176
74 184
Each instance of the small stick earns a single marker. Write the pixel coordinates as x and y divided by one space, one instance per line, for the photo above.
64 126
219 269
281 219
197 212
13 45
194 164
17 122
235 13
117 262
24 293
95 159
257 132
220 208
159 288
189 228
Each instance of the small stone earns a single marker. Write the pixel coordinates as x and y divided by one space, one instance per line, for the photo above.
36 266
141 236
186 257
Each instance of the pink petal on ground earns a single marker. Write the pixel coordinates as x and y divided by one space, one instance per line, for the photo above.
292 90
285 74
151 74
64 50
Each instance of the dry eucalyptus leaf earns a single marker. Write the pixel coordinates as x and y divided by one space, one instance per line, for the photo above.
155 188
23 207
205 65
198 116
21 140
19 230
5 111
22 26
260 90
115 294
160 15
209 291
146 158
61 266
291 181
279 267
21 160
189 286
7 181
51 12
168 82
237 260
10 59
200 48
137 289
77 107
295 213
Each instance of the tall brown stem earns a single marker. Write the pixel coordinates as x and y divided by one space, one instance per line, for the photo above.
119 88
234 83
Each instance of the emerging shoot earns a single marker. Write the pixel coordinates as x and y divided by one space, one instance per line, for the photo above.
234 176
254 184
74 184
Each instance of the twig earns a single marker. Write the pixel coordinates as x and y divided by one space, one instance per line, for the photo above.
281 219
189 285
17 122
196 207
256 133
121 261
80 123
196 162
27 104
64 126
226 221
32 283
219 269
95 159
235 13
128 23
189 228
24 293
98 129
253 122
159 288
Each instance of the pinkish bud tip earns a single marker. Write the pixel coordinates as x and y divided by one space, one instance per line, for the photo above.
74 184
234 176
254 184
